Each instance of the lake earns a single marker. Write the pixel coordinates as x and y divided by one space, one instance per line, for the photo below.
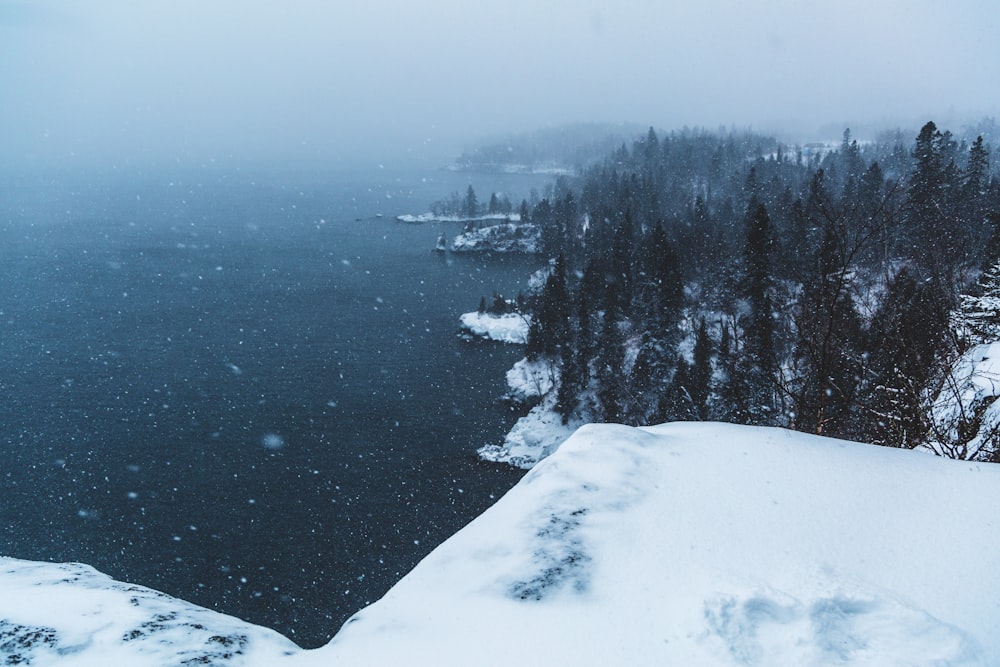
243 388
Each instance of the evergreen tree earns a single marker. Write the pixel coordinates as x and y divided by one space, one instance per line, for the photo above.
907 338
828 344
701 372
471 206
758 359
677 403
553 311
609 370
650 374
975 204
936 238
572 379
535 345
978 318
662 285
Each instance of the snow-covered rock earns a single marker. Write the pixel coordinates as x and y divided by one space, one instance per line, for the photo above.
532 438
71 615
528 381
680 544
505 237
506 328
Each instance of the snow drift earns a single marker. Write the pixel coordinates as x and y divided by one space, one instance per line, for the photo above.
688 544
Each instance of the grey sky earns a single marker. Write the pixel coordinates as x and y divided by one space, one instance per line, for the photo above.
380 80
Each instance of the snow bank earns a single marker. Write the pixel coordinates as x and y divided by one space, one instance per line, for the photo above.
966 413
680 544
705 544
71 615
507 328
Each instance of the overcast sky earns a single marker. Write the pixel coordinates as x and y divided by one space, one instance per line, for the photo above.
380 80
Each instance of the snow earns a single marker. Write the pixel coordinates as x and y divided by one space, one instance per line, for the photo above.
528 381
71 615
705 544
506 328
532 438
421 218
505 237
679 544
966 413
538 433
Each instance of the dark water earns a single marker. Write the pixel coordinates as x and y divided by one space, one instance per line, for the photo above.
223 386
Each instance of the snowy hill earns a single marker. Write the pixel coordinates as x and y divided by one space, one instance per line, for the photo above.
690 544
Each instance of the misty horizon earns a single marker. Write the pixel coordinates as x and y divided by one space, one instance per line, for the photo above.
393 82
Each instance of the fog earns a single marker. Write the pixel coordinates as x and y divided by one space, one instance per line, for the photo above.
351 82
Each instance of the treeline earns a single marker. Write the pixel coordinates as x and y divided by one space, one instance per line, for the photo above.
468 205
724 276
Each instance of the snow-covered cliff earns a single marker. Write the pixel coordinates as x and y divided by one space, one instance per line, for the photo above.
685 544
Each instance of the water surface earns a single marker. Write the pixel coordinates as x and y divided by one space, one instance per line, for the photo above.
228 387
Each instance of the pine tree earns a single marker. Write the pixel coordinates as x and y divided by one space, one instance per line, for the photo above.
828 341
471 206
701 372
677 403
975 205
572 379
936 235
978 317
907 338
758 363
662 285
609 371
553 312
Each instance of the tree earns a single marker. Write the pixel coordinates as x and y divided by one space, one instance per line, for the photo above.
610 370
759 352
471 206
935 233
677 402
975 204
701 372
828 341
523 212
978 317
906 341
662 287
552 313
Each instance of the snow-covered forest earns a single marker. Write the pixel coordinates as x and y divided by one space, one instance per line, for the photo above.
827 288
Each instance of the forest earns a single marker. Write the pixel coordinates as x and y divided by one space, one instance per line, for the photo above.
702 275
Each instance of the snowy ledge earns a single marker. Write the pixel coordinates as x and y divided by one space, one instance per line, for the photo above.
680 544
506 328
